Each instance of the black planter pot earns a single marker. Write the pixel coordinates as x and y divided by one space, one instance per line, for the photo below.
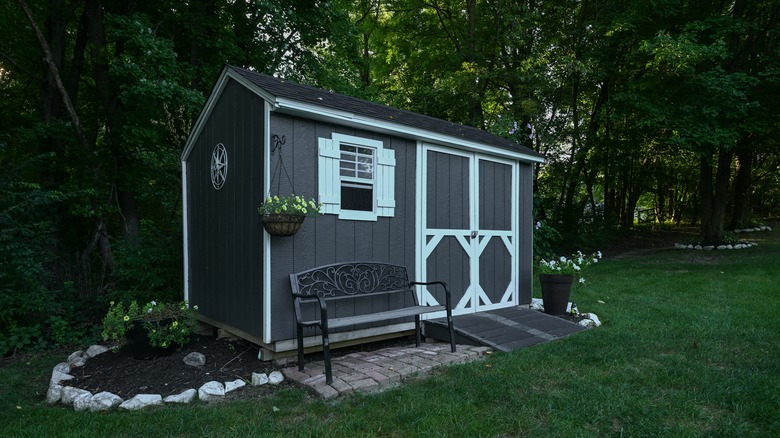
138 341
556 290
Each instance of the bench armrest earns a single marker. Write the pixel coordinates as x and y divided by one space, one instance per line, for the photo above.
433 283
323 309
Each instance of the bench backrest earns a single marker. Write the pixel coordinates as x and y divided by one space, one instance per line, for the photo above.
353 278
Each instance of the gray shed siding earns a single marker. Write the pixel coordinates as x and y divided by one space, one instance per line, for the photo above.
326 239
224 231
526 234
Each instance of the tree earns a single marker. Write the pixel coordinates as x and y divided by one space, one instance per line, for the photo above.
705 67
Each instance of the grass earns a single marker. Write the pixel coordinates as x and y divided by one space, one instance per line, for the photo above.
690 346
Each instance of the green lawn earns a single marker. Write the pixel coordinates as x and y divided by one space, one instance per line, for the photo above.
690 346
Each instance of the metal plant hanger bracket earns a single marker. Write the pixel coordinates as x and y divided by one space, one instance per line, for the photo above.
278 142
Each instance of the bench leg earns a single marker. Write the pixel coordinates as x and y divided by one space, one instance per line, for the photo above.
452 329
300 347
326 354
417 330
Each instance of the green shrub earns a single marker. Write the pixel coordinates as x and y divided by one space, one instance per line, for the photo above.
165 323
26 239
546 240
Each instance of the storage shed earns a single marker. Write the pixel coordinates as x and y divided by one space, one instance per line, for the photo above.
447 201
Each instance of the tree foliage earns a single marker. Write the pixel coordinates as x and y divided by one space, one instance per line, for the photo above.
663 106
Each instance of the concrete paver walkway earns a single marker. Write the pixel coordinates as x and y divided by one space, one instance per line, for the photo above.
380 369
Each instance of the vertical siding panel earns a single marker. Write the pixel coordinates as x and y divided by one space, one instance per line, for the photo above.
282 250
398 228
224 284
525 233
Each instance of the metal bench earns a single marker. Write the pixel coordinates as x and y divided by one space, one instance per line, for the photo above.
368 281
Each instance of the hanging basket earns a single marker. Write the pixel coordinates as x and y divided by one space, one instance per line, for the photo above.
282 224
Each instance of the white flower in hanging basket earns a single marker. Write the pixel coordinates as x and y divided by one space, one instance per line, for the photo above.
283 216
294 205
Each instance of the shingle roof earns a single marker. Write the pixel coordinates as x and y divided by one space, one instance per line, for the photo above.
316 96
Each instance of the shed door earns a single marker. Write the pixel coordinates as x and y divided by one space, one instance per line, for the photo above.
468 229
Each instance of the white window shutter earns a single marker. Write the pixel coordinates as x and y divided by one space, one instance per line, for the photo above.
385 182
329 181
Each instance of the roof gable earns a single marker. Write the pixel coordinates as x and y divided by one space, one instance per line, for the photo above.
326 99
315 102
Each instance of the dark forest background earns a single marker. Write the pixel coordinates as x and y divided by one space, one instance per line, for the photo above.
658 111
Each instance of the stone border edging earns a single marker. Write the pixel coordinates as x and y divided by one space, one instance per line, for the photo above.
589 320
754 229
83 400
741 245
744 244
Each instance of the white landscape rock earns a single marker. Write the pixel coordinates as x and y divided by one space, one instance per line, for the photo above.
185 397
54 394
195 359
141 401
70 394
62 367
74 355
78 362
259 379
236 384
103 401
588 323
211 391
77 359
81 402
95 350
592 317
275 378
58 377
536 304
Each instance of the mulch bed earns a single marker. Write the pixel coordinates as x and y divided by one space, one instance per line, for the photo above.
226 360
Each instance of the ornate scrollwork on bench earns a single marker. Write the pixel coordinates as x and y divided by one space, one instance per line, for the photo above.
352 279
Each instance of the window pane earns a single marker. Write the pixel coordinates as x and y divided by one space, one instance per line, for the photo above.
368 151
356 162
358 197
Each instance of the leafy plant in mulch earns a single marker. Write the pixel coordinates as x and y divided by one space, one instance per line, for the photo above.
166 323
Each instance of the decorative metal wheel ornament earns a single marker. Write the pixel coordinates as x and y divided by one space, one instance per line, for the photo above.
219 166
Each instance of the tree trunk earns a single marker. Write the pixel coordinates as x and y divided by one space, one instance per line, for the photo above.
108 94
742 184
714 196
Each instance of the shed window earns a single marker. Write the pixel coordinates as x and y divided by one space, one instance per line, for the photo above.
356 173
356 177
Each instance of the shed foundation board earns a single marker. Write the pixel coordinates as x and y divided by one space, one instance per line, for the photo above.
274 350
504 329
